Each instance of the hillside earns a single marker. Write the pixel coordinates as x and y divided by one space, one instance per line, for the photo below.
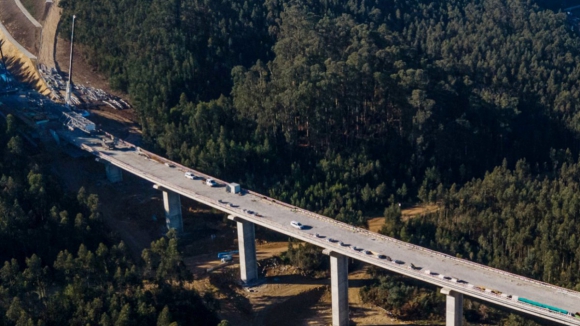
349 107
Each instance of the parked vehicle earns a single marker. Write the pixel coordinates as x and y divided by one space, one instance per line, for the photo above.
190 175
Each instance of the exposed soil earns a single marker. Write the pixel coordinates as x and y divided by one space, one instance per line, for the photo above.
376 223
122 123
21 29
133 209
50 20
83 73
360 313
36 8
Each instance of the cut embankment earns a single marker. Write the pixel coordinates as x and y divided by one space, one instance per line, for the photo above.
21 62
27 14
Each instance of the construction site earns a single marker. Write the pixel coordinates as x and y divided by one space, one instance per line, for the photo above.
33 80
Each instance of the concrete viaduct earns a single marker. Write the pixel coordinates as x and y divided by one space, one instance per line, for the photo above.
456 277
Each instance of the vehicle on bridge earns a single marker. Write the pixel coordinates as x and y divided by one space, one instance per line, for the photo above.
297 225
211 182
233 188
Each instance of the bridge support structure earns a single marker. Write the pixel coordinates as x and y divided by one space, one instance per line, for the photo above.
338 287
454 307
114 173
172 207
247 248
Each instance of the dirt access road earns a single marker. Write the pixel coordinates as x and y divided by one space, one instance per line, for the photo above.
21 29
133 210
376 223
49 20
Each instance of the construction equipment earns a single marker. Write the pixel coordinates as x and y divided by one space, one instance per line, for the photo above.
74 120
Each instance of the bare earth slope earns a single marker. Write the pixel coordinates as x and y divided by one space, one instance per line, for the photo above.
18 25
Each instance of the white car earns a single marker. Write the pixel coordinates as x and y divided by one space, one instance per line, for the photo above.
297 225
190 175
210 182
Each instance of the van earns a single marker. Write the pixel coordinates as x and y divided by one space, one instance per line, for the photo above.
233 188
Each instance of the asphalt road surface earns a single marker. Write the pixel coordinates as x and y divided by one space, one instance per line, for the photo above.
467 276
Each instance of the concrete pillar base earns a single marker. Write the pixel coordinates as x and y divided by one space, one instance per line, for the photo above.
172 207
339 287
247 248
114 173
454 307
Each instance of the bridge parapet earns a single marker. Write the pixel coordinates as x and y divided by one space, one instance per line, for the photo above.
270 222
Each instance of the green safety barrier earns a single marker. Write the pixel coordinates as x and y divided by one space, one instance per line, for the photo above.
539 304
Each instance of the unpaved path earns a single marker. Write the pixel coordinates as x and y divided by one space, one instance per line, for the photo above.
376 223
49 29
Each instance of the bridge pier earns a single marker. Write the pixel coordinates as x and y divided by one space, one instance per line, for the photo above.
114 173
339 287
172 206
247 248
454 307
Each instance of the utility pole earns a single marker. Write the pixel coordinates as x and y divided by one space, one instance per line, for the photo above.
68 84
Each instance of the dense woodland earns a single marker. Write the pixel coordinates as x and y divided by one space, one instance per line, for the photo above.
59 265
347 107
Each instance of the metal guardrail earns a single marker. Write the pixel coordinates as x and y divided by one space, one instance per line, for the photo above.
239 211
344 225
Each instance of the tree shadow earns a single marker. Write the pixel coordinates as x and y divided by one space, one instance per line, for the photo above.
22 74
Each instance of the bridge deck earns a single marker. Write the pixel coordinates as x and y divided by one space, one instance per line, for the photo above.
277 216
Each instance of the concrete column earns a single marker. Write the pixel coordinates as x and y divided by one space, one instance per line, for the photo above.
247 248
172 206
114 173
339 287
454 307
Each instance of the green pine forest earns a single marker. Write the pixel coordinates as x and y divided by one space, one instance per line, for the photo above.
59 265
343 107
